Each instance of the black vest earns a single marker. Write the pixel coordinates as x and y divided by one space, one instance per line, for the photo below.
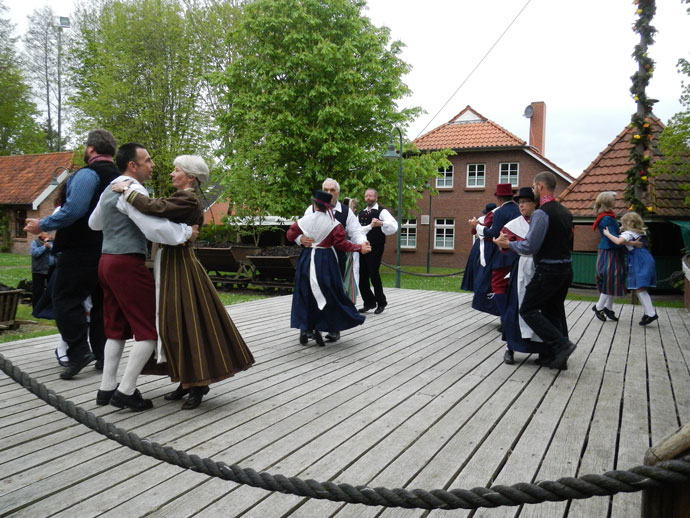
375 236
78 235
556 245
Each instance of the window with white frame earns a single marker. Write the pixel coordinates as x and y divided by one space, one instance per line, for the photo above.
408 234
509 173
444 180
476 175
444 230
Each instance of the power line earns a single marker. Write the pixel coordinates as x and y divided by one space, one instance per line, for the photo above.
475 68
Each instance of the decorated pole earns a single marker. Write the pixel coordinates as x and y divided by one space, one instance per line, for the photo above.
637 176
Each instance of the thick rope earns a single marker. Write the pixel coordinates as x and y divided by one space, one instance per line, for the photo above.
635 479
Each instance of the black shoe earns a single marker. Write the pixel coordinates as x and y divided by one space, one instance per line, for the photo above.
561 354
508 357
648 320
333 337
99 365
303 338
319 339
543 360
103 397
610 314
196 394
380 309
176 394
599 313
365 309
73 368
134 402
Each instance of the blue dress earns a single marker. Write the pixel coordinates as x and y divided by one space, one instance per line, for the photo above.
641 264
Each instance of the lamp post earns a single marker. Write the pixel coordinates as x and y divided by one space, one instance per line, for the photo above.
428 245
392 154
63 24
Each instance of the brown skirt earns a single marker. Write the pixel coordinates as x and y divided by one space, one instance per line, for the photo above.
200 340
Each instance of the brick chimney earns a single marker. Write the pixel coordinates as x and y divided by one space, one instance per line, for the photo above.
537 126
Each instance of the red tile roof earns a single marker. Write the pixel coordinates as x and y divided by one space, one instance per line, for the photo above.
469 130
608 173
25 177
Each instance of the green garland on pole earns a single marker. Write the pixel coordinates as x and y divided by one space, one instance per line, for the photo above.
640 155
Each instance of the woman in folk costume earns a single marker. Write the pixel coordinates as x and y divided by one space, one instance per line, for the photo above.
610 274
477 257
200 343
481 281
319 301
517 334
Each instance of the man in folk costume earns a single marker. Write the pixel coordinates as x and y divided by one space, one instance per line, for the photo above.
500 263
478 268
348 263
548 239
319 301
129 298
517 334
378 223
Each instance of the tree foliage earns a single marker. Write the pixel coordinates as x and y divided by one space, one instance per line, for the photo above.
19 131
139 70
311 93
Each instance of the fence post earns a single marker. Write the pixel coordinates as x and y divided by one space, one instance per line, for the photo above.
669 501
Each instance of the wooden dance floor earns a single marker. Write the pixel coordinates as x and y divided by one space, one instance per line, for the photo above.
417 397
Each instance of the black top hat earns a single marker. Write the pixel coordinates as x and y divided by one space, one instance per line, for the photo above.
525 192
323 198
489 207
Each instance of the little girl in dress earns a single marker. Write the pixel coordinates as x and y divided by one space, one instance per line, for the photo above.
641 266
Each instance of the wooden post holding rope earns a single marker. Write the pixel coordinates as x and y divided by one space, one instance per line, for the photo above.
669 501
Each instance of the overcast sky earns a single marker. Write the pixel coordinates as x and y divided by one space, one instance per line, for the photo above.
574 56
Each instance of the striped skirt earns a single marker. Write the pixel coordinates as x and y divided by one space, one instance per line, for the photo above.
201 342
611 272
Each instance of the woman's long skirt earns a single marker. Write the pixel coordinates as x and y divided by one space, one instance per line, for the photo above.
611 271
339 313
201 342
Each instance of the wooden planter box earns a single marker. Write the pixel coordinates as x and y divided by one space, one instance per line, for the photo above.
227 266
274 271
8 308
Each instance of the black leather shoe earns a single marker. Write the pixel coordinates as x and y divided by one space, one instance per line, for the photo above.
648 320
543 360
365 309
103 396
380 309
303 338
176 394
599 313
610 314
134 402
73 368
333 337
561 354
508 357
319 339
196 394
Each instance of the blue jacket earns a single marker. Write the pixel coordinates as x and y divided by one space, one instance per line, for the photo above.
605 243
505 213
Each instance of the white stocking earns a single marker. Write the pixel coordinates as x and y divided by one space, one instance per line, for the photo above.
646 302
140 354
111 361
605 301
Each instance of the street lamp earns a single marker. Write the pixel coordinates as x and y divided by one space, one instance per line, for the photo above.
428 244
63 23
392 154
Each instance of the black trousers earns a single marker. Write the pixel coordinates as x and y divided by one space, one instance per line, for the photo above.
543 305
76 277
369 265
39 282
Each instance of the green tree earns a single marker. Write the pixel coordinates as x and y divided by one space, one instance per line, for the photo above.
311 93
138 69
19 131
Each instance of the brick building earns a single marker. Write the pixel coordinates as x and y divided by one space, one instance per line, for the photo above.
29 188
486 154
